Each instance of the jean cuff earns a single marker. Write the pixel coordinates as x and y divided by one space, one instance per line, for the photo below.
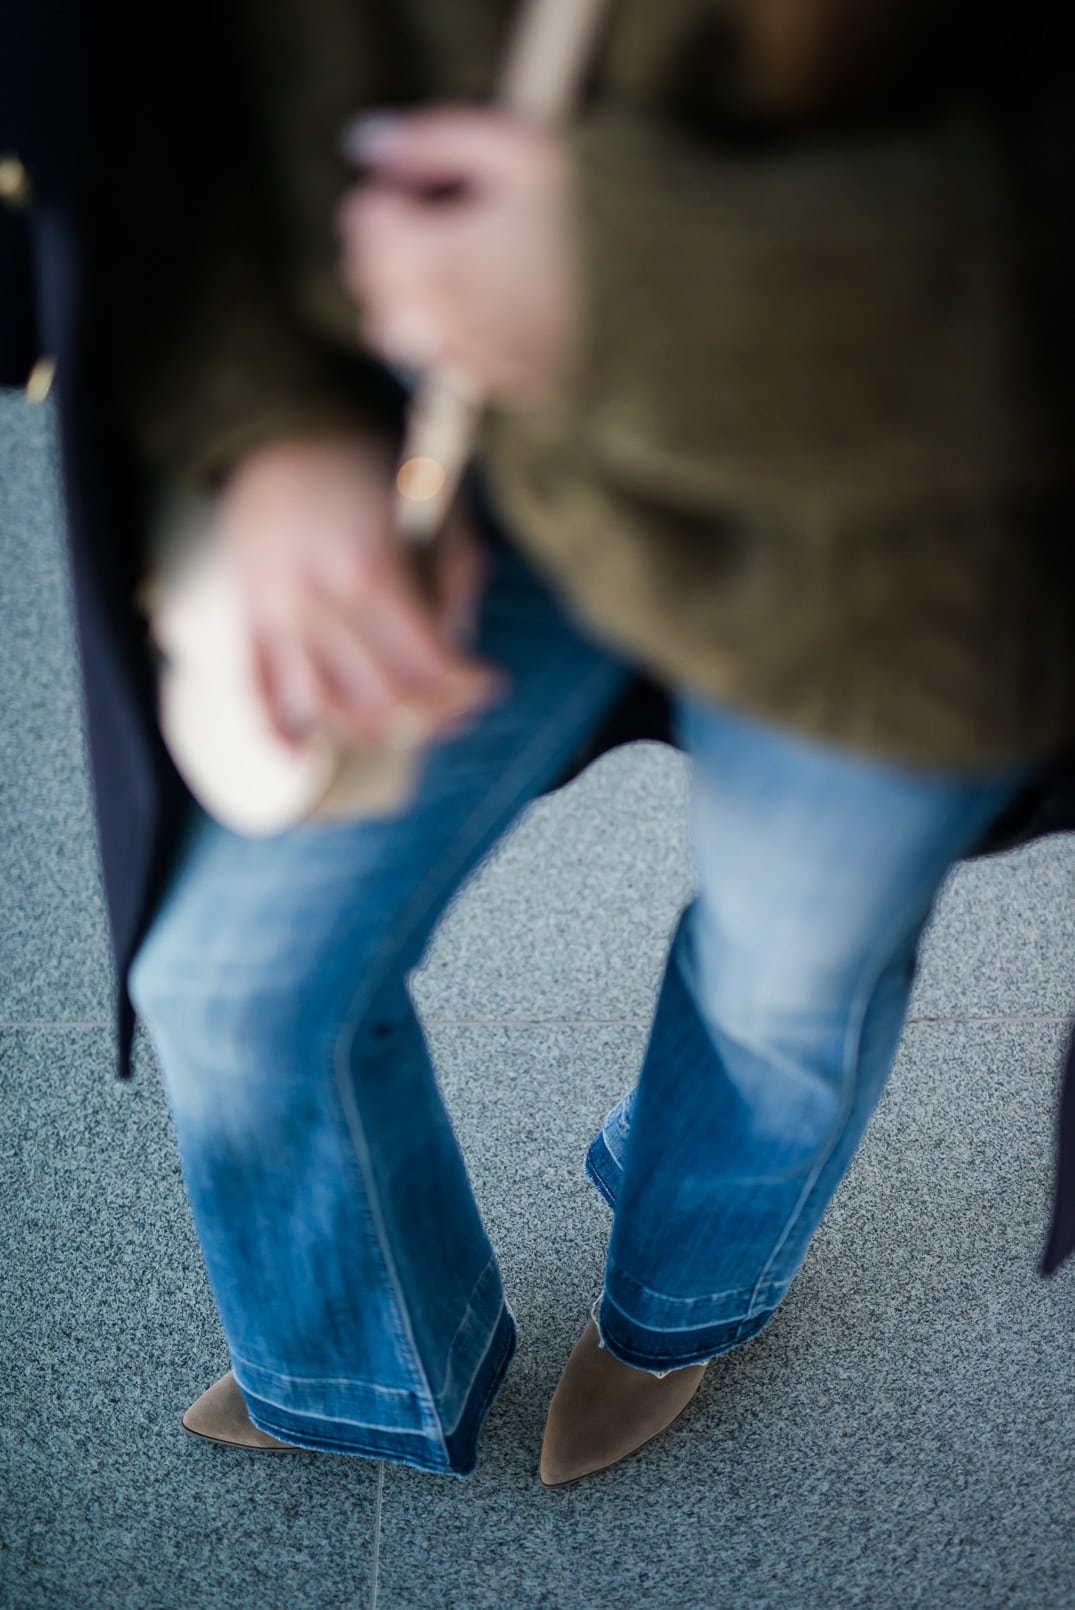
659 1353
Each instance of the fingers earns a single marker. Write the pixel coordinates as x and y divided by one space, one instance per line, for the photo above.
442 146
456 249
391 273
377 675
376 598
342 635
408 268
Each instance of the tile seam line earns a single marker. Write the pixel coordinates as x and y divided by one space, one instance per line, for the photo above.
645 1022
574 1022
538 1022
56 1023
375 1563
479 1022
993 1017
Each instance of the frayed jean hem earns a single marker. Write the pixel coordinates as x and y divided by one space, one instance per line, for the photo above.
706 1345
452 1454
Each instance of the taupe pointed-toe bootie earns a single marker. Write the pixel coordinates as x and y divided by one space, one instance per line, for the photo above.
603 1410
219 1415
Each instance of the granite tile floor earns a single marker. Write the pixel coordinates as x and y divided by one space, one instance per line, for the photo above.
901 1435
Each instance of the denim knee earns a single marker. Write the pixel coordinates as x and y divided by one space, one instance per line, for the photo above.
226 1039
786 1056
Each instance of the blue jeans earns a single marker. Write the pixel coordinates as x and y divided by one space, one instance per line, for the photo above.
358 1291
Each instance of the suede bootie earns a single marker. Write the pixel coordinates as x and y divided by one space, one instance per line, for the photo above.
603 1410
219 1415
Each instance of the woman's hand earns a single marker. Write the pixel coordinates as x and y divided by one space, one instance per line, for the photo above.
457 248
343 639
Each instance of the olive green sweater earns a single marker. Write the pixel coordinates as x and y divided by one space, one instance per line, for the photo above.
794 466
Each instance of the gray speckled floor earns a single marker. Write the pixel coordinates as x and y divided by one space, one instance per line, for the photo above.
899 1436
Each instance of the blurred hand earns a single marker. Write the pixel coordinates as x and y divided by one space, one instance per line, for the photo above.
343 638
457 248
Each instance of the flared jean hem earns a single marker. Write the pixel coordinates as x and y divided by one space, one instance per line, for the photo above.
647 1347
453 1453
661 1352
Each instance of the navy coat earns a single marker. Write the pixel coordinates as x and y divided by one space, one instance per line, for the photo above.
55 69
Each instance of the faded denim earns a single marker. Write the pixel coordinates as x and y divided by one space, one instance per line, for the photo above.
362 1305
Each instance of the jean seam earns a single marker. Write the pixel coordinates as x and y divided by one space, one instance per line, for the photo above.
436 1465
320 1418
734 1319
403 1339
469 1309
745 1327
319 1380
450 1430
681 1302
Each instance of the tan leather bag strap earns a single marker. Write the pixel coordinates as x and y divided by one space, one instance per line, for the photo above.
549 51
